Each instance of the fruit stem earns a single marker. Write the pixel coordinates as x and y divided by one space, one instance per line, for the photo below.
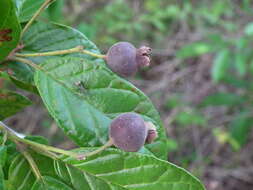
93 54
100 149
77 49
37 13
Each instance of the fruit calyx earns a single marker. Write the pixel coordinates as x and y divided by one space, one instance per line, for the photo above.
143 56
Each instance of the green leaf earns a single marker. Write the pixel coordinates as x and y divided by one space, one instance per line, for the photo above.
111 169
3 155
222 99
174 101
248 30
9 28
2 181
20 175
23 85
38 139
55 37
190 117
25 9
11 103
194 49
51 37
136 171
240 127
11 153
7 154
50 183
55 11
220 65
22 72
241 56
22 76
56 174
240 63
84 96
236 82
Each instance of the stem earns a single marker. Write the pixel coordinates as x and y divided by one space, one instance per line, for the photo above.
58 52
46 153
106 145
11 134
4 137
93 54
42 147
33 165
26 61
49 148
77 49
23 150
37 13
33 65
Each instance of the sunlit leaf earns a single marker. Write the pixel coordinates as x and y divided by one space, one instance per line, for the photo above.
52 37
111 169
84 96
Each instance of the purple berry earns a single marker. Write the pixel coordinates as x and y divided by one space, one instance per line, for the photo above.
124 59
128 132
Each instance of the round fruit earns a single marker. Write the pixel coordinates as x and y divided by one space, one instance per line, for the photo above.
128 132
121 58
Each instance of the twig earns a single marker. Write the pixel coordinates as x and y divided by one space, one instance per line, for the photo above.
42 147
37 13
77 49
49 149
106 145
26 61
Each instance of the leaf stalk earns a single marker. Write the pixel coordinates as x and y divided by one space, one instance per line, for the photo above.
41 147
77 49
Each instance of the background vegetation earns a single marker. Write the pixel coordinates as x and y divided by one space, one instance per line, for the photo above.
200 78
